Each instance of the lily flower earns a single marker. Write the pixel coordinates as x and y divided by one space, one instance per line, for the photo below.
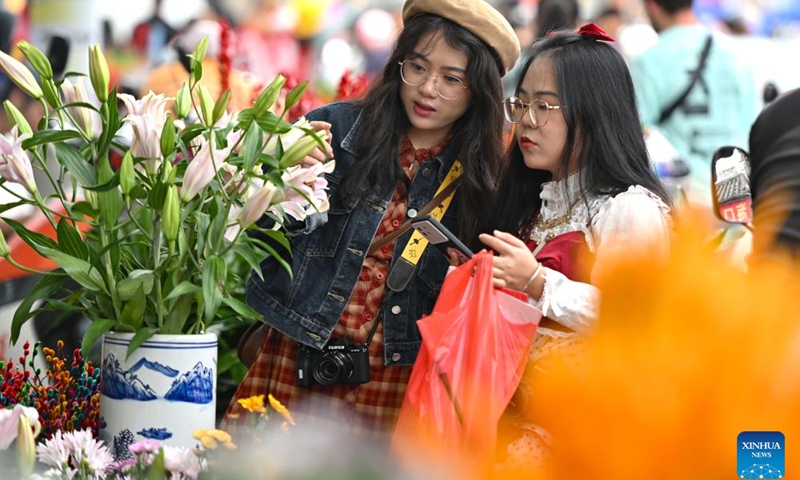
257 204
202 168
83 117
306 189
147 117
20 75
10 421
15 164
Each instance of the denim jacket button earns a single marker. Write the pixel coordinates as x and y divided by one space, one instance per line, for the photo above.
396 309
412 213
396 357
426 172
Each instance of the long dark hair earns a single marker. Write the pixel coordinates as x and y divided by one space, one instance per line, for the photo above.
603 127
478 131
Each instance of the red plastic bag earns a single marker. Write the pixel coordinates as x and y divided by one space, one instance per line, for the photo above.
475 345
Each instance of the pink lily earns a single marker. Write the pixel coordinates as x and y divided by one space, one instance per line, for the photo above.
202 168
146 116
15 164
9 423
84 117
257 204
303 184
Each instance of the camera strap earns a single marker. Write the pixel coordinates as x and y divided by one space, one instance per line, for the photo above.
403 269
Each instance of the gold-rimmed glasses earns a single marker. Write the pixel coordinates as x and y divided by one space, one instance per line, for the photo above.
539 110
415 74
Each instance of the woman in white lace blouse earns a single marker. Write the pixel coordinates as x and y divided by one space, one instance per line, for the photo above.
578 190
578 178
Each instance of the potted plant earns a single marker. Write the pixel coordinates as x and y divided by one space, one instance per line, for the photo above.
151 242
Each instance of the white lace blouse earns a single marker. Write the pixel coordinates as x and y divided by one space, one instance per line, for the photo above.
634 220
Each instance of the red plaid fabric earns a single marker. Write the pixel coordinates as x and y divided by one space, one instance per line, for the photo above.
370 409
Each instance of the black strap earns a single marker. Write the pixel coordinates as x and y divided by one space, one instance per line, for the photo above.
670 109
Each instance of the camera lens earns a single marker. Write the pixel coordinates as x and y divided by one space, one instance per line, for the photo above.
332 368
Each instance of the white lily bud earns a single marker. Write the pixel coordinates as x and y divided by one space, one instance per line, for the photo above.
20 75
257 204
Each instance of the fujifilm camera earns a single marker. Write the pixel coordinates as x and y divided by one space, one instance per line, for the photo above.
338 362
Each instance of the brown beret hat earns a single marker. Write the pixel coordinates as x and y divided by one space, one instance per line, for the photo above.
478 17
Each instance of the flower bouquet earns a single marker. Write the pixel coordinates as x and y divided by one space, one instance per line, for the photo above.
153 240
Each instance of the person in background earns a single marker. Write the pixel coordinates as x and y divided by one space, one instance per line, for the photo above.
775 177
693 88
152 35
576 196
431 114
553 15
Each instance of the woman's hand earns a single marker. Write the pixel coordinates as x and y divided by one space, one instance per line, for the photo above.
514 263
318 155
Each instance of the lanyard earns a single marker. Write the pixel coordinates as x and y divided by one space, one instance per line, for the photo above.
418 243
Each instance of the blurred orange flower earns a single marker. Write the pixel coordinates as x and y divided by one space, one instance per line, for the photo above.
687 355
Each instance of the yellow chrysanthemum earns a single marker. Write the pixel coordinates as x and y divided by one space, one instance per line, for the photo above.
278 407
254 404
220 435
209 442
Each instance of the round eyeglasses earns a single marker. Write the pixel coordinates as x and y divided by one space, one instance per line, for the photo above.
539 110
415 74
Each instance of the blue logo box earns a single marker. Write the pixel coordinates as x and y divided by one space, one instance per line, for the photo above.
761 455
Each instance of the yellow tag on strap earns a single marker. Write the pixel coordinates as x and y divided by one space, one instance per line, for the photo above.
418 243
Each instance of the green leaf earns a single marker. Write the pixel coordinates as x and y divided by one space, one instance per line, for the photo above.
215 271
252 146
133 311
49 136
178 315
158 195
279 237
80 270
182 289
275 255
221 106
253 257
139 338
137 279
45 288
110 201
97 329
70 241
271 123
296 94
157 471
81 170
36 240
241 308
111 121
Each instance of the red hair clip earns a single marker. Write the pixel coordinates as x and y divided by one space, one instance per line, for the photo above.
590 30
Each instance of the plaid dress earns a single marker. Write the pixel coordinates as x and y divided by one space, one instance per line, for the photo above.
370 409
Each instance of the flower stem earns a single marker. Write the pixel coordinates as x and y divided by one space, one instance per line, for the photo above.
110 277
24 268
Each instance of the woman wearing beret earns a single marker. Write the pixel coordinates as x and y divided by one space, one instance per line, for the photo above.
343 331
577 196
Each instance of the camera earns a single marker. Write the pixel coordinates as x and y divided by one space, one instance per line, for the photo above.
339 361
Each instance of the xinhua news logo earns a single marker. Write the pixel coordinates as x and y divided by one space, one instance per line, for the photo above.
761 455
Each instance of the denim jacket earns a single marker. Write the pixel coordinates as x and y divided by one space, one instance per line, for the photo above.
329 250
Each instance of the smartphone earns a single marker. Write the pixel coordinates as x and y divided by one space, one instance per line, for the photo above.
442 238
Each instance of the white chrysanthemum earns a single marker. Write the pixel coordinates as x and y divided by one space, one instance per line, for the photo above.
54 452
182 461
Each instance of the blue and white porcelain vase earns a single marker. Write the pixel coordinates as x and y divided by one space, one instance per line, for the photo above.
165 391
